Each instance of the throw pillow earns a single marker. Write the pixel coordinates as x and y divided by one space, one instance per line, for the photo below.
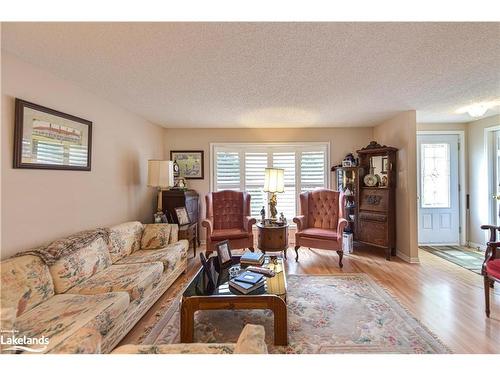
155 236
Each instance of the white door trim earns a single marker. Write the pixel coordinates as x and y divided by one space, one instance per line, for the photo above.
488 138
461 178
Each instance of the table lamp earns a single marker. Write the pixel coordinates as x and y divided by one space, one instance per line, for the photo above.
160 176
274 183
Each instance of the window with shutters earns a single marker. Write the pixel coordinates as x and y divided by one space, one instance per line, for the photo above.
240 166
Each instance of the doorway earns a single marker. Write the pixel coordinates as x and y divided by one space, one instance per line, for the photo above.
494 176
438 189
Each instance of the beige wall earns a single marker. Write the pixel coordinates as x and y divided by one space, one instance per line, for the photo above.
342 141
478 178
400 132
41 205
444 126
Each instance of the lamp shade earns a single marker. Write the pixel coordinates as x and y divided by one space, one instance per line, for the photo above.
160 173
274 181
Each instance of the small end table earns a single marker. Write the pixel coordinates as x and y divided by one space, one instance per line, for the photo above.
273 238
189 232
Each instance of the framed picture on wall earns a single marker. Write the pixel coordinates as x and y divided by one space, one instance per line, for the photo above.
48 139
190 164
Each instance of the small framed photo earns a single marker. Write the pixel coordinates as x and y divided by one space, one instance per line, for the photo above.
385 165
346 163
224 254
182 215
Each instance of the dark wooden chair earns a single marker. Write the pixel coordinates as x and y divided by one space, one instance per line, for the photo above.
491 264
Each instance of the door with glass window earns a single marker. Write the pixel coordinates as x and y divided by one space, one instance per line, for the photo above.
438 189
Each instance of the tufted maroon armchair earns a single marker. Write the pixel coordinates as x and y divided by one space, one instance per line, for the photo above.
228 218
321 223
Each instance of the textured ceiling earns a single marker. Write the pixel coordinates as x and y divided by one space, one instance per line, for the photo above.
272 74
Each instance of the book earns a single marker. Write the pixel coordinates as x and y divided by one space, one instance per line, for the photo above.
249 277
245 288
252 258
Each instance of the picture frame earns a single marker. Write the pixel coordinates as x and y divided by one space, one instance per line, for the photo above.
191 163
210 274
346 163
385 165
45 138
182 215
224 254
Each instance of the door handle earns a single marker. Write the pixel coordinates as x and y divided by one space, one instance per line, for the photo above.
497 197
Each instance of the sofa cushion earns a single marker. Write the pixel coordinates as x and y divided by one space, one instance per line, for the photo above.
131 278
228 234
25 283
326 234
493 268
63 315
84 341
155 236
124 239
196 348
78 266
171 256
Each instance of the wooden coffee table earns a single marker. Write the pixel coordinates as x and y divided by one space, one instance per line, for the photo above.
272 296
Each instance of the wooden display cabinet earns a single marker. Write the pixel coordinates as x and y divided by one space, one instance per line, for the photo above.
375 222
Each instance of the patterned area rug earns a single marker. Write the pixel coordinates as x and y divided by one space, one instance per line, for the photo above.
463 256
326 314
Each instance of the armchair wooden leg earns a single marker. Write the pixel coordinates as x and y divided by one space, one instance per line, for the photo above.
341 255
251 249
297 253
487 295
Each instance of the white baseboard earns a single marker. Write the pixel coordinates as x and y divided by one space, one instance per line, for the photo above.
406 258
477 246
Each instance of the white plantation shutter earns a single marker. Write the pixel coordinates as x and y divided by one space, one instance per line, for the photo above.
241 167
255 164
312 170
227 171
287 199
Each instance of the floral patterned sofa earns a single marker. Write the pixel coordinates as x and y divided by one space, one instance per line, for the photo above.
87 299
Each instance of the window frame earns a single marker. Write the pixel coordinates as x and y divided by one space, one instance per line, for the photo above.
297 147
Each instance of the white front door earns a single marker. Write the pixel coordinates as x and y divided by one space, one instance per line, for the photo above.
438 190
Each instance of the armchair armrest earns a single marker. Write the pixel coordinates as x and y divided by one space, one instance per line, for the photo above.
492 230
340 228
300 221
248 222
207 223
251 340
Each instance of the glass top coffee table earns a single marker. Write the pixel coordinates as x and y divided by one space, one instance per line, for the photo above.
271 296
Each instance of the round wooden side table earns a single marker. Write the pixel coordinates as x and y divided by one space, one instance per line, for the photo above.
272 238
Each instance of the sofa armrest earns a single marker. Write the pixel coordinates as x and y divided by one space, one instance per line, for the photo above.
300 221
340 229
207 223
251 340
248 222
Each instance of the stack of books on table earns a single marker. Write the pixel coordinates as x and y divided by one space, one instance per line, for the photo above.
247 282
252 259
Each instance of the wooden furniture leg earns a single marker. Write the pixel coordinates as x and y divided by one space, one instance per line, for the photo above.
341 255
487 295
278 306
187 322
297 253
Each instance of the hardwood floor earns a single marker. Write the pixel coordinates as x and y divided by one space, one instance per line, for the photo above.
447 298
